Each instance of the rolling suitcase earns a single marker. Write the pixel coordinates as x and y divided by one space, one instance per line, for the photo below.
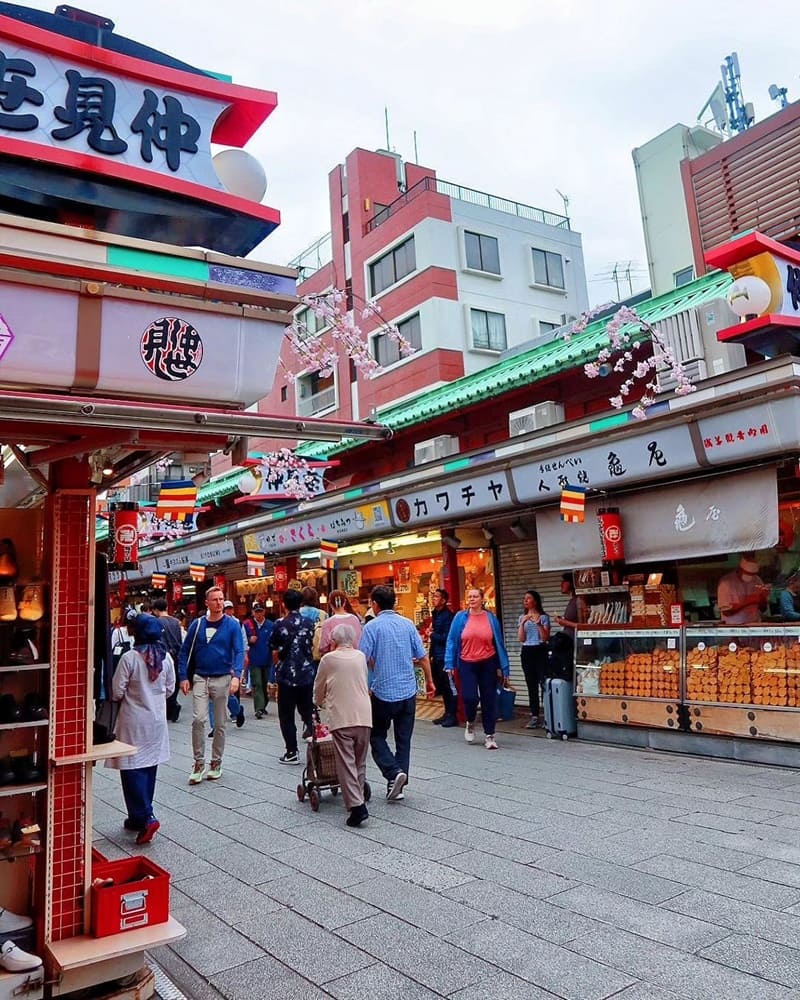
559 709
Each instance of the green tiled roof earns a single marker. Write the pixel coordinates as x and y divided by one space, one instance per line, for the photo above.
529 367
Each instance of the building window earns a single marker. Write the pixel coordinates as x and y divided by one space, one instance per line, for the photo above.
284 393
387 352
684 277
393 266
311 323
482 252
546 327
548 268
488 330
346 227
315 393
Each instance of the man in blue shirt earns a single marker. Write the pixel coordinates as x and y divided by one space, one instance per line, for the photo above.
213 652
259 657
392 647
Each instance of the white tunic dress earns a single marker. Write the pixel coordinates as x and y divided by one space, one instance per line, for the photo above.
142 719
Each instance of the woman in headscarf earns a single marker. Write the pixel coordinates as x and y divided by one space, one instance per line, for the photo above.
141 682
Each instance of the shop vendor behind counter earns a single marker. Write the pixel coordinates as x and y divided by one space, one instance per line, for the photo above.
742 595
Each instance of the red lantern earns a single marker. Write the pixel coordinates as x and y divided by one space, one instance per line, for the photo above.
177 590
281 577
611 541
123 532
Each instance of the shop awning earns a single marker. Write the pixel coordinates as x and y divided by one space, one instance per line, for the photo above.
702 517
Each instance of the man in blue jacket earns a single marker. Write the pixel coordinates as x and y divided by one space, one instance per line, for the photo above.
442 619
210 661
258 632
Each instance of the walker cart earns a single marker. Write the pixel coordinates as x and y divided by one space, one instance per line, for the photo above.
320 770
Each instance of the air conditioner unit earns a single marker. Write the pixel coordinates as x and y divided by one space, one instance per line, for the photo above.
435 448
692 337
535 418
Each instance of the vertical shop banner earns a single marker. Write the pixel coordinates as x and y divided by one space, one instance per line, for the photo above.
281 576
197 572
573 504
328 552
219 580
256 563
158 581
177 590
715 516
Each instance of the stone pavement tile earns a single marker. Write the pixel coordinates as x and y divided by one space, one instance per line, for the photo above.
523 878
179 861
679 785
339 839
761 844
671 969
265 978
546 965
308 949
706 854
423 845
112 851
775 871
275 817
633 882
325 866
210 945
536 916
421 907
409 868
524 851
726 824
328 907
182 801
503 987
765 959
665 926
190 833
436 964
646 991
783 927
246 864
229 899
268 841
696 876
378 982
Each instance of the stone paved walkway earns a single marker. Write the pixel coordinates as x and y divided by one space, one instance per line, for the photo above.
544 870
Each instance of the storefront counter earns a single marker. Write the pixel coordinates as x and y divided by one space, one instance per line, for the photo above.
710 679
743 681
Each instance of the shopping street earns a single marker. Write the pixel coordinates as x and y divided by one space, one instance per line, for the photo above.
547 869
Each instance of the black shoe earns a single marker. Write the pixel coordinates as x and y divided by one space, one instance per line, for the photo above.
289 758
240 719
449 721
173 714
357 815
308 732
133 827
440 720
259 715
211 734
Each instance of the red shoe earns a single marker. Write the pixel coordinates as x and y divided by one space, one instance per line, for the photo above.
150 830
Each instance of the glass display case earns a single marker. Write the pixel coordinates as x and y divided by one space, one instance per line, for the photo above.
744 681
628 676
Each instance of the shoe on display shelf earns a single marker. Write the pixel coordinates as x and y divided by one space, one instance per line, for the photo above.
14 959
11 923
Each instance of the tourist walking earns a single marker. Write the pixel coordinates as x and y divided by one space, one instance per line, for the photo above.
341 690
258 632
441 620
341 613
475 648
393 647
210 664
145 675
291 641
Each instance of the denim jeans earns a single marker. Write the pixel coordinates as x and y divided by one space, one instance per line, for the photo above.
138 789
402 715
479 681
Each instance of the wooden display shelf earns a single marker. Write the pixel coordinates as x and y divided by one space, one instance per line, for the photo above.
84 950
12 669
661 713
24 725
19 851
26 985
100 751
618 589
31 789
761 722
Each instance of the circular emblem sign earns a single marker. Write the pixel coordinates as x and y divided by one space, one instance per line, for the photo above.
403 511
171 349
125 534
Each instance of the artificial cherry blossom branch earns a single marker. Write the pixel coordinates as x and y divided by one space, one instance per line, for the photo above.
622 345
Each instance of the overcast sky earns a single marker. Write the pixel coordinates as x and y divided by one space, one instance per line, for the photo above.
512 97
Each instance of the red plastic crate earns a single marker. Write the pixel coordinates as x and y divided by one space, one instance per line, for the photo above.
138 897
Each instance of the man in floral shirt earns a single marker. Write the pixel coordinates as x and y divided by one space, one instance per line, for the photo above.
291 642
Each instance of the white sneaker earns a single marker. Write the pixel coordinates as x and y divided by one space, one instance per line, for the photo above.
14 959
489 742
396 786
469 733
12 922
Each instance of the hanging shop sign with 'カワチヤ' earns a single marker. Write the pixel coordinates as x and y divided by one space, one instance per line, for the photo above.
478 494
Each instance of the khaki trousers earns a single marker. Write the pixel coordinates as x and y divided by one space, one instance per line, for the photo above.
350 746
215 690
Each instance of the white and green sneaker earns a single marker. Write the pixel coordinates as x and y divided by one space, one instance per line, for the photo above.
198 773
